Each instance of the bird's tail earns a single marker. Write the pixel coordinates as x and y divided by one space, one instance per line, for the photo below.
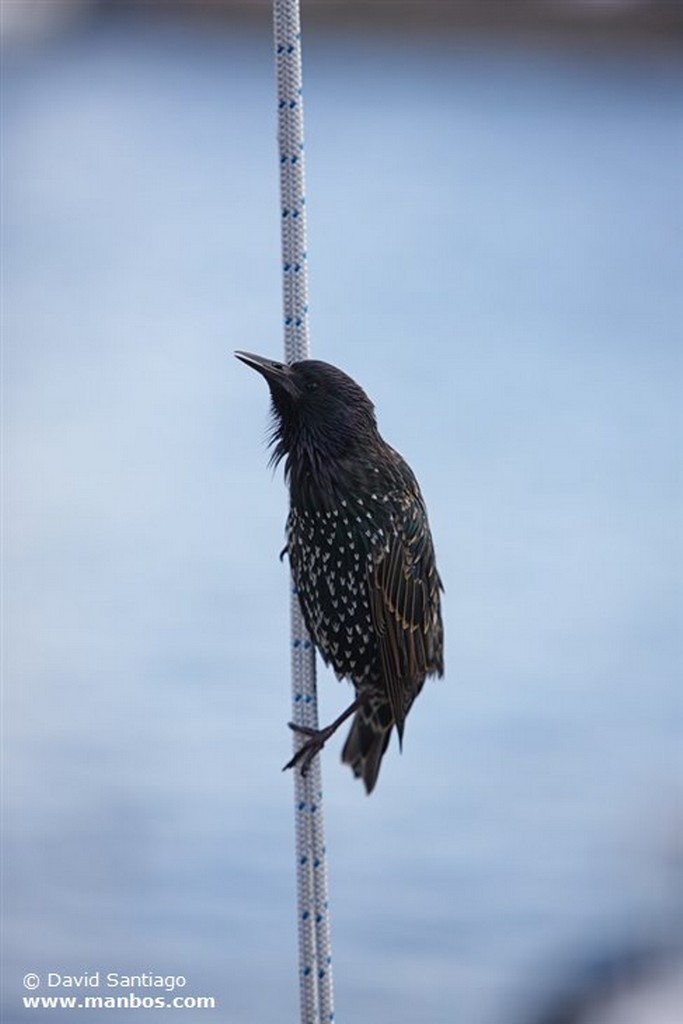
367 742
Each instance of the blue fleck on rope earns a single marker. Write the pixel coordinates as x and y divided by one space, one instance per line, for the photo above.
315 950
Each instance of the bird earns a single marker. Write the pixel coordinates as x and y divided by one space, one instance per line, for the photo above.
360 551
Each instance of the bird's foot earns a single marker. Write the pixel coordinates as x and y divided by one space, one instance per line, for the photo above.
317 738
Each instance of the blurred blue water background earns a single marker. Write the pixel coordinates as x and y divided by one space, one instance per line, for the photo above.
495 254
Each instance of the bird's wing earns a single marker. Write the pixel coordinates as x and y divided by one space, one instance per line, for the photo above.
404 599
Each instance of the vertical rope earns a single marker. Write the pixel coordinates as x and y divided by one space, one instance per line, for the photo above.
292 179
315 967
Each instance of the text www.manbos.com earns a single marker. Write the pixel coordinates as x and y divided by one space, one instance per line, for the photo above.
130 1001
135 998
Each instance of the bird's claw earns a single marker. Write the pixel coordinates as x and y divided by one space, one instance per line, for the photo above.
307 751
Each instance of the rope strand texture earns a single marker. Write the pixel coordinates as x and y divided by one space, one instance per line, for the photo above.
315 959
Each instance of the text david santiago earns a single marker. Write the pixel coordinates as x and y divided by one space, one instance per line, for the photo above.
112 979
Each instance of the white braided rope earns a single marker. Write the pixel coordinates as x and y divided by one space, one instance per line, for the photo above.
315 967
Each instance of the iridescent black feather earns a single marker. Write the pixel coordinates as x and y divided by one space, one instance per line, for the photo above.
360 550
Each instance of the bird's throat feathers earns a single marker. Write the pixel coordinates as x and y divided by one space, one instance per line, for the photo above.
322 448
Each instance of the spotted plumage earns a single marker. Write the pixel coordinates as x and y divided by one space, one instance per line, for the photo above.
360 550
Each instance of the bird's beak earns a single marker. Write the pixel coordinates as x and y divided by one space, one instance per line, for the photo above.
278 375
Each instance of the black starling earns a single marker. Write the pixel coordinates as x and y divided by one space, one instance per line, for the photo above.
360 550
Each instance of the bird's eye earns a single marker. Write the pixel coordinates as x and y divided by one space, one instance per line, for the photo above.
311 385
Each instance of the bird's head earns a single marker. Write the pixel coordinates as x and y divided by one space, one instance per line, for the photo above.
319 411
